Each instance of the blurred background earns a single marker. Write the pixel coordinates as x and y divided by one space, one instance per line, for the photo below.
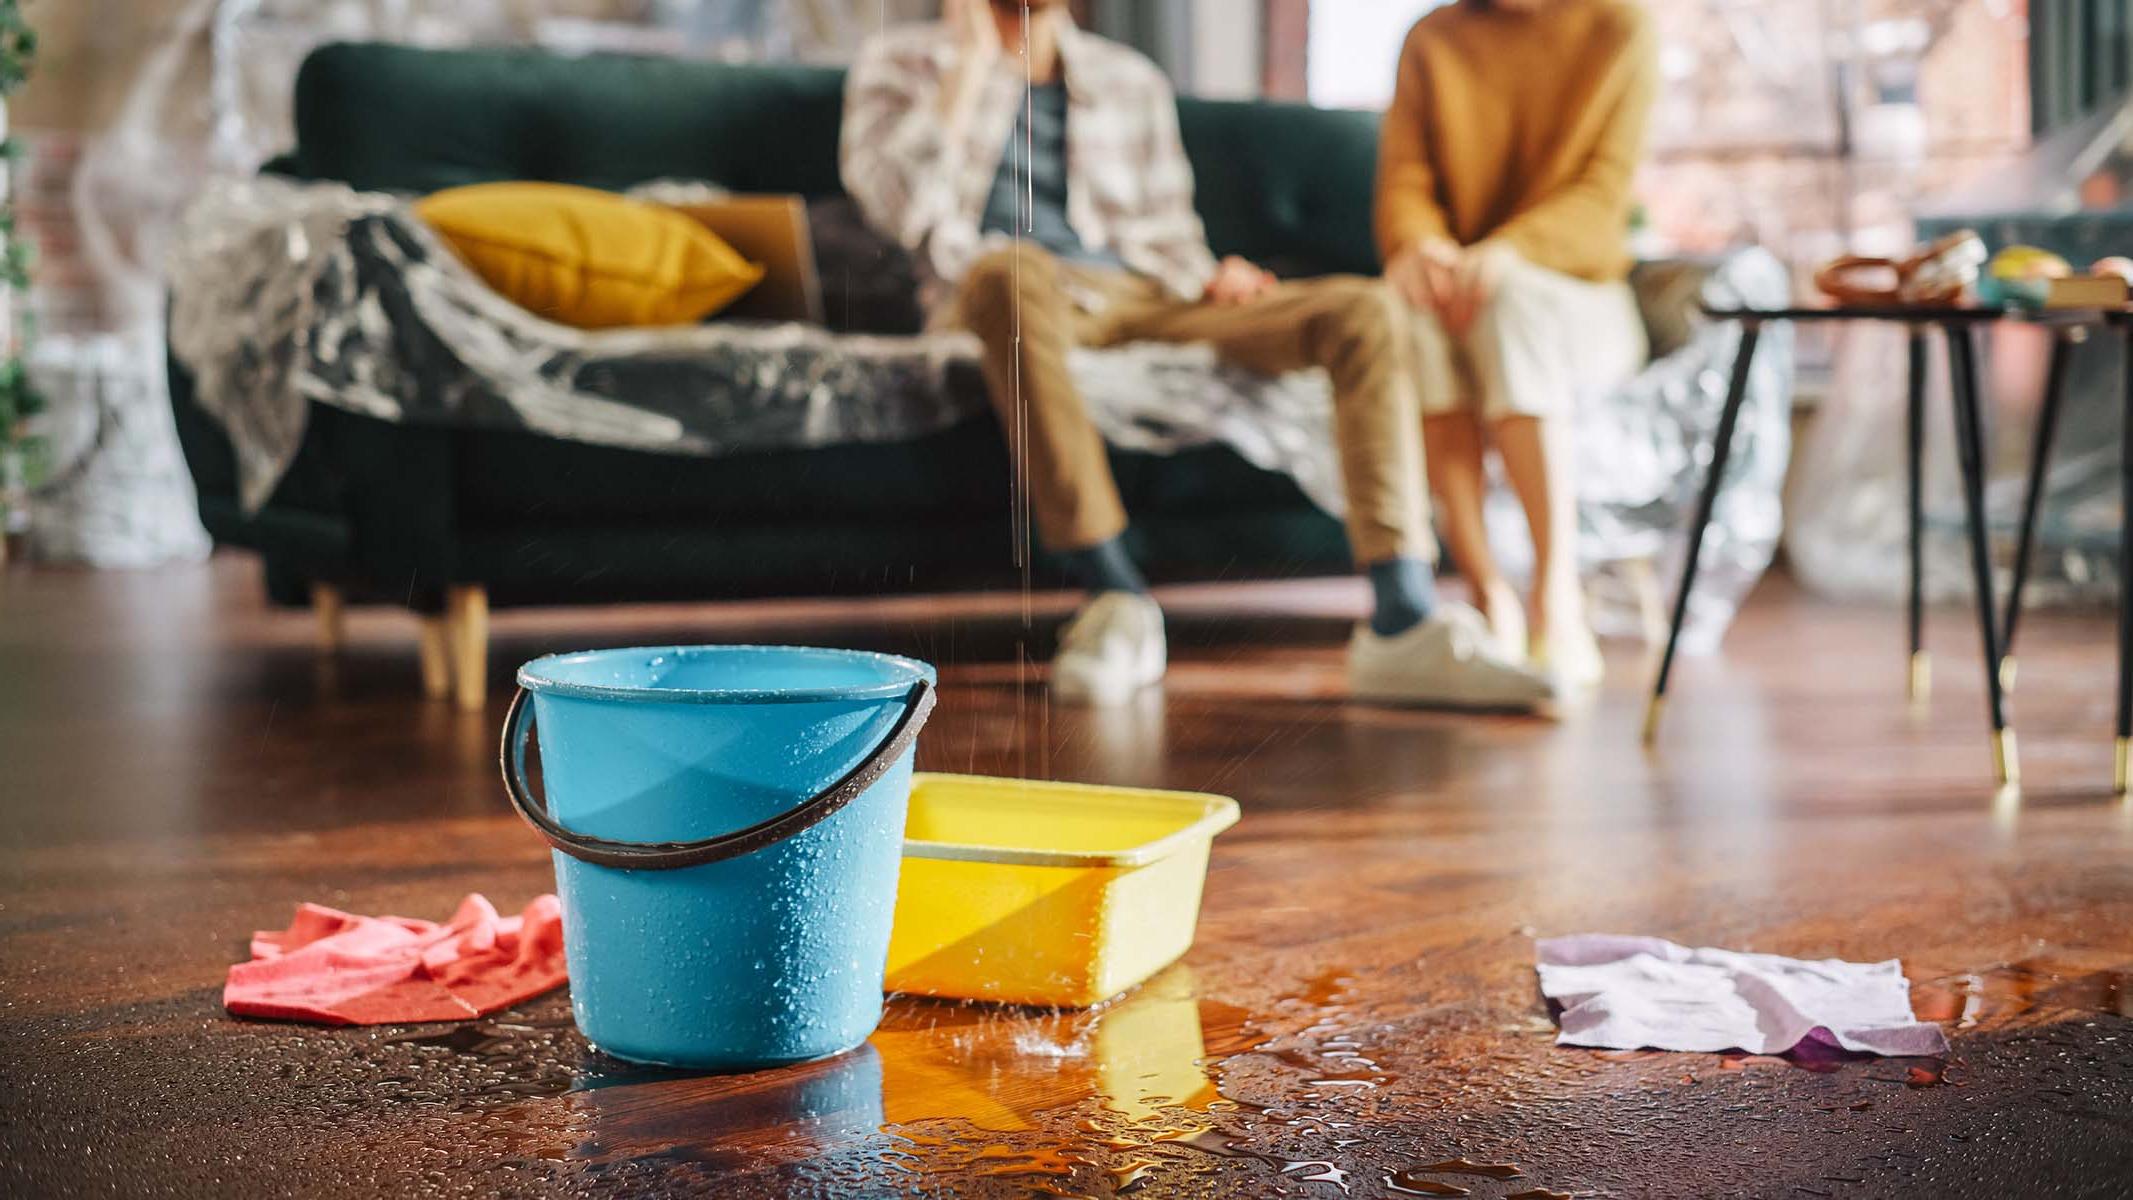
1808 127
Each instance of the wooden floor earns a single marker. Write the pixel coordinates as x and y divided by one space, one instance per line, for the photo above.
178 768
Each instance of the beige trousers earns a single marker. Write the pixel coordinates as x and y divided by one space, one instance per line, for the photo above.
1021 302
1543 340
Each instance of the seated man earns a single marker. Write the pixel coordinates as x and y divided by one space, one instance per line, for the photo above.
1036 173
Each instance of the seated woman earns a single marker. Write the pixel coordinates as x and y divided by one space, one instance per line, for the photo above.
1503 216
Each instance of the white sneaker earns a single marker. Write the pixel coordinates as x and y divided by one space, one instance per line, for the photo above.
1573 659
1111 649
1449 661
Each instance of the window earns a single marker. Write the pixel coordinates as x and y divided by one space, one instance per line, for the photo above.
1355 49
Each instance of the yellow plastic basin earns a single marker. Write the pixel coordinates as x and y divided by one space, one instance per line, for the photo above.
1057 894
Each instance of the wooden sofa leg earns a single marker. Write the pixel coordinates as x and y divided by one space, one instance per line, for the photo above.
467 610
436 650
331 612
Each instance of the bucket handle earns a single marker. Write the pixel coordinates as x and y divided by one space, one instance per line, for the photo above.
668 856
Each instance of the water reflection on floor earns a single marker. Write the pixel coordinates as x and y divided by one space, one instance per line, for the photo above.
1124 1099
1129 1098
957 1090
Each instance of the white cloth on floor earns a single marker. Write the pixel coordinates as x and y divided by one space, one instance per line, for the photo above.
1627 993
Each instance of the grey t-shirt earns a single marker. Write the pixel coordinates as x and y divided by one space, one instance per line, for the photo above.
1029 192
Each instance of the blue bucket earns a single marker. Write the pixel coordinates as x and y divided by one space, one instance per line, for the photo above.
727 822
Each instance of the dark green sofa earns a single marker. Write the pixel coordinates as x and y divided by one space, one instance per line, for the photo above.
407 513
417 515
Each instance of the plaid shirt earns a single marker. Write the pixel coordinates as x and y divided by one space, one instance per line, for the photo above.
1129 186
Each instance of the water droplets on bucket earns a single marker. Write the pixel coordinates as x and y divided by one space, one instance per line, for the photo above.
727 823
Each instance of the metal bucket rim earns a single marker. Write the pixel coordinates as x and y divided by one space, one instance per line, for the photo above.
898 676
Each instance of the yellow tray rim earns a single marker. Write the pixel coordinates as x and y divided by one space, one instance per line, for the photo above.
1217 814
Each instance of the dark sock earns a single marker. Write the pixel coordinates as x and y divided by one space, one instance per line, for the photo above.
1106 567
1406 591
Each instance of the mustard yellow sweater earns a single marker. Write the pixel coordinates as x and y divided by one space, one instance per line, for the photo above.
1523 128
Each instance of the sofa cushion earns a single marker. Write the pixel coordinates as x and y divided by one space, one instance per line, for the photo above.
1286 184
869 283
584 257
404 119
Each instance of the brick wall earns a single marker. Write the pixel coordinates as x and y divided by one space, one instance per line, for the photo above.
1810 136
65 297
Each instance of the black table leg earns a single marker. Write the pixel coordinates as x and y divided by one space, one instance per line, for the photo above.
1920 680
2125 573
1969 445
1721 448
2040 456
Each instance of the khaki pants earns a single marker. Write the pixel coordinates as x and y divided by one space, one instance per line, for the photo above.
1021 303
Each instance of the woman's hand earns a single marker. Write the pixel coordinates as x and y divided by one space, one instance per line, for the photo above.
1451 282
1425 274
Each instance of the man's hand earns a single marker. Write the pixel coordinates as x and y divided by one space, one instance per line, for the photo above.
1238 281
978 49
977 35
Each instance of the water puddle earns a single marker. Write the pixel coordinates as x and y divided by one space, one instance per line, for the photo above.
1460 1166
2040 989
1416 1181
1408 1184
1124 1099
1325 1050
1130 1175
1222 1145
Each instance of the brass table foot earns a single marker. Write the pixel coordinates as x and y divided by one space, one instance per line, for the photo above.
2007 673
2006 760
1652 712
1921 682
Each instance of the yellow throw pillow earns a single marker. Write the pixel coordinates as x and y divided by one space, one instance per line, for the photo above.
589 258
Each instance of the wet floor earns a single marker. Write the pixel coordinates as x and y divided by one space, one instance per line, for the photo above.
1358 1018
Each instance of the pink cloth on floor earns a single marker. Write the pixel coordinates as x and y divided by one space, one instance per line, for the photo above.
336 968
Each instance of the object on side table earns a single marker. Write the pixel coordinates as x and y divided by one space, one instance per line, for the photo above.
1939 273
2086 291
2021 277
2105 285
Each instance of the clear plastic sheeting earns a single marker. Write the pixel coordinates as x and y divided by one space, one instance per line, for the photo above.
216 98
289 294
2072 194
1644 449
212 100
1849 533
119 495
